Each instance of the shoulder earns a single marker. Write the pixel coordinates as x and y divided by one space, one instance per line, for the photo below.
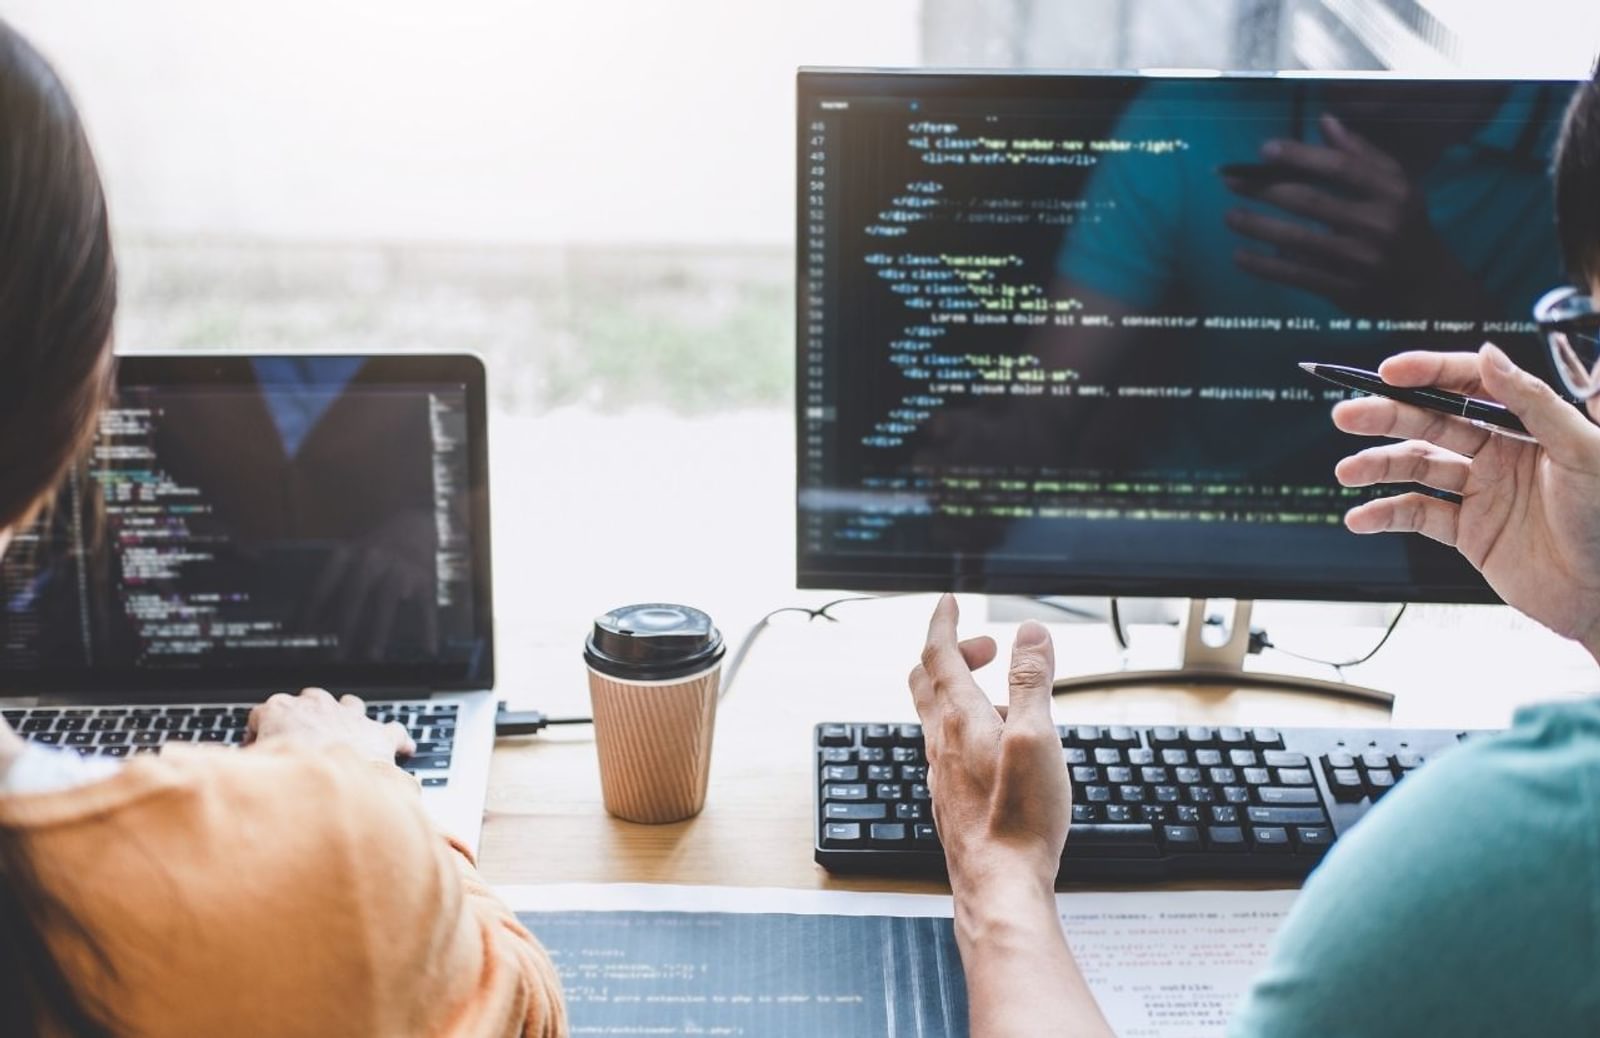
1466 902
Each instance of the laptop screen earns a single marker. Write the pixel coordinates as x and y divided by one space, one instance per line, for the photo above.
264 522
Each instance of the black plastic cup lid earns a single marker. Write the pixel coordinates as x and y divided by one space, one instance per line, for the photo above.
653 641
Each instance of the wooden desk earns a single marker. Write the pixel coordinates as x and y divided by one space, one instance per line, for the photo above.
545 822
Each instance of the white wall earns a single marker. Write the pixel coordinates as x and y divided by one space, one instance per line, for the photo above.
467 120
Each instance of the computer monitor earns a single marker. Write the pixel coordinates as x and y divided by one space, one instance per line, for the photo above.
264 522
1049 324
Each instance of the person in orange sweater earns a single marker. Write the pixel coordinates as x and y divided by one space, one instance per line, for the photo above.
294 887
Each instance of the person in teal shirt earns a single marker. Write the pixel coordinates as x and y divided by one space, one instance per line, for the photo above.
1468 901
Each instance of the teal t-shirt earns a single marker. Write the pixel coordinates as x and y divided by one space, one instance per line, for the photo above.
1467 903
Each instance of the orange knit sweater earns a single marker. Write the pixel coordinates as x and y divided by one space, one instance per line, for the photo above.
275 891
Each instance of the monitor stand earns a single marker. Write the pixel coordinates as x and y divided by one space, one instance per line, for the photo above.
1215 656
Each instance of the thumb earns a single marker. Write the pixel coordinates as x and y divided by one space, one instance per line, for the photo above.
1556 424
1033 671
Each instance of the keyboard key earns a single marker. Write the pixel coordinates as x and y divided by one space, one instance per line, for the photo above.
906 755
1202 795
35 724
1074 755
1187 776
1236 794
1130 794
830 735
1208 758
914 773
1167 794
199 724
435 781
1153 775
909 735
841 834
906 811
1379 782
1187 814
1122 735
80 739
48 738
114 751
843 791
416 762
1085 735
1231 736
1198 735
1407 760
836 755
1083 773
146 738
71 724
1287 795
876 735
871 755
835 812
1269 839
1107 755
181 736
1097 794
878 773
1313 839
1164 735
887 832
1225 838
1225 814
1085 813
919 792
113 738
1155 814
1257 776
1347 785
1174 756
1267 738
1181 837
1140 757
1117 813
830 772
888 791
1112 841
1224 776
1284 759
1242 758
1295 777
1375 759
1286 816
1118 774
924 834
145 749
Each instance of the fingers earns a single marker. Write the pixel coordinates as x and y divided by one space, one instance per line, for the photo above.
1032 677
941 657
979 652
1298 239
1295 273
1414 461
1301 199
1457 372
404 745
1341 165
1406 513
354 704
1376 416
1559 427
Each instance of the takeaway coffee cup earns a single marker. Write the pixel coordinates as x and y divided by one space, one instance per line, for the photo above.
653 679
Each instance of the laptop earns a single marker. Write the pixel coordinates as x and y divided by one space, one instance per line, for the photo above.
251 524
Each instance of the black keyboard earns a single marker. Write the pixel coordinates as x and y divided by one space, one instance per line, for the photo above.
121 731
1147 802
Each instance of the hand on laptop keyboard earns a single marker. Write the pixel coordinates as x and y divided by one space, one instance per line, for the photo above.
315 718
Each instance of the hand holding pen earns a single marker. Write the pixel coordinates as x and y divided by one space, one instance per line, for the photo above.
1529 512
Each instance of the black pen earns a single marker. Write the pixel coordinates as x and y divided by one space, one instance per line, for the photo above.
1485 415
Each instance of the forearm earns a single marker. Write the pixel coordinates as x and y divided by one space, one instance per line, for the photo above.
1021 976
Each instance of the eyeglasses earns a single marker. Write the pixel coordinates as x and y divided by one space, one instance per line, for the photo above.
1569 321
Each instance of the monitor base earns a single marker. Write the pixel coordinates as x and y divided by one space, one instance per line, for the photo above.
1213 656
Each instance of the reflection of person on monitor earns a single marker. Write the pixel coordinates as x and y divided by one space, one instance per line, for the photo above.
1464 904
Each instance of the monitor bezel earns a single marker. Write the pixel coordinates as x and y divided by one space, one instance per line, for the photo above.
146 684
815 81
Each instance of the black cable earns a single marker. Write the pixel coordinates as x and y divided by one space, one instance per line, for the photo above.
528 722
1117 630
1266 643
1082 614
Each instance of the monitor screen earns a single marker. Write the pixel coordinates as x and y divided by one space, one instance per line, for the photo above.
1048 326
264 522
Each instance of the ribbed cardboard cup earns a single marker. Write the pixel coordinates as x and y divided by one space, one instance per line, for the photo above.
654 743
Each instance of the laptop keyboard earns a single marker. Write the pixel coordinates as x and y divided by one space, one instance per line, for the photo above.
122 731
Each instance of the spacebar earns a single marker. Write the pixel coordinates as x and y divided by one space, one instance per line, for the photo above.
1112 841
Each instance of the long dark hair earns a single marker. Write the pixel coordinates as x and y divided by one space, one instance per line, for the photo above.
58 292
1577 177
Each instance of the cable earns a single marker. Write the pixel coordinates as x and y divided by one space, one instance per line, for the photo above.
1264 642
1117 630
528 722
1082 614
820 613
